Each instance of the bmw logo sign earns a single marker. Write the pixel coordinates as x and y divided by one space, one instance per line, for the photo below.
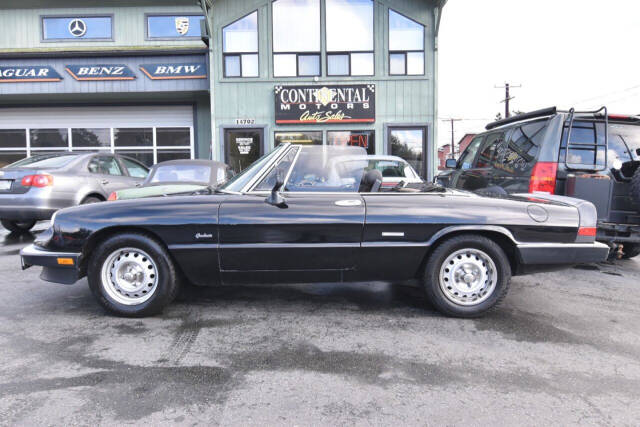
77 27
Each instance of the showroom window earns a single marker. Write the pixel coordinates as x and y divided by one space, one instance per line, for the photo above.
13 145
77 28
303 138
296 38
349 37
174 26
138 143
364 139
406 45
240 47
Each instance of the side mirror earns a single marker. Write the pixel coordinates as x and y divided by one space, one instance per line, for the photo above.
451 164
275 198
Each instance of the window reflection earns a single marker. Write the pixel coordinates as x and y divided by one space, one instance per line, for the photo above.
240 47
99 138
296 30
409 144
350 32
406 45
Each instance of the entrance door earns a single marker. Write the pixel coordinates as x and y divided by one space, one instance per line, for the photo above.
242 147
410 143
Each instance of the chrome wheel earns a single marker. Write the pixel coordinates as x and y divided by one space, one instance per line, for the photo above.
468 277
129 276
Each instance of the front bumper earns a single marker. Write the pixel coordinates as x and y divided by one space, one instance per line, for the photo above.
562 253
66 273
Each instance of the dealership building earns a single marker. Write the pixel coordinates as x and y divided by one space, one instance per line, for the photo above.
221 79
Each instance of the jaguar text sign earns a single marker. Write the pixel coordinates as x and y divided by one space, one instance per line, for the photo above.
325 104
31 73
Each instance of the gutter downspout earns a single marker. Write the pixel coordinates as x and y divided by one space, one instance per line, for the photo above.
207 9
437 14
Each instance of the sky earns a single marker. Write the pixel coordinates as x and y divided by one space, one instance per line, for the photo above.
567 53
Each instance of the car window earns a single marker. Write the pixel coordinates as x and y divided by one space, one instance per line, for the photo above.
488 150
328 169
136 170
389 168
104 165
282 167
587 145
468 156
52 161
517 153
630 134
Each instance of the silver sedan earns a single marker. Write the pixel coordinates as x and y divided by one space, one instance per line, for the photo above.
36 187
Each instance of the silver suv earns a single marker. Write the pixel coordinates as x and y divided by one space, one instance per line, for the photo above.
36 187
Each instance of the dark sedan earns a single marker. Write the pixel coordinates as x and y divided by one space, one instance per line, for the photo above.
297 215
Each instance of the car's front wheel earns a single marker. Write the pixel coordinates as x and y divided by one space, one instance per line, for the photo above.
467 275
132 275
17 226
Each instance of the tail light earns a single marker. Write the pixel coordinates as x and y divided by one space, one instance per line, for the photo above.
587 231
40 181
113 196
543 177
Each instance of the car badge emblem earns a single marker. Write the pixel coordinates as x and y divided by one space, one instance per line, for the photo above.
204 236
324 96
182 25
77 27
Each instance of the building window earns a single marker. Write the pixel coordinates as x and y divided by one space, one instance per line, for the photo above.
240 47
77 28
364 139
174 26
13 146
49 138
349 37
91 138
296 38
406 45
411 145
303 138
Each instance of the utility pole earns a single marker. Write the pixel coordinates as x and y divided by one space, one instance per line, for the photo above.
507 97
453 148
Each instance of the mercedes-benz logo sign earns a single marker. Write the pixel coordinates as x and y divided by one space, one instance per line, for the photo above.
77 28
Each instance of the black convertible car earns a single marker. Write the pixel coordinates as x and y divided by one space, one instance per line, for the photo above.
312 214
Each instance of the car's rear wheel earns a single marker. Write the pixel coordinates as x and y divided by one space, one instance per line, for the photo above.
89 200
630 250
132 275
467 275
17 226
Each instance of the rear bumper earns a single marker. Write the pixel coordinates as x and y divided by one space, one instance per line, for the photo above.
35 204
562 253
52 271
621 233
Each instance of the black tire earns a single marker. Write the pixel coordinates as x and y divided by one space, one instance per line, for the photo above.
467 250
90 199
17 226
110 296
630 250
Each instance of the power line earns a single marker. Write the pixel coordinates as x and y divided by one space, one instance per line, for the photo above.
507 97
453 142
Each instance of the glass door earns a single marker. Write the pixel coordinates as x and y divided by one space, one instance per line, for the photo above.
410 144
242 147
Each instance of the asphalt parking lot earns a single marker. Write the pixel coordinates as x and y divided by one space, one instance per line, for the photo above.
564 348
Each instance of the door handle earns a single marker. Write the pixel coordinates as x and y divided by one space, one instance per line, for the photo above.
104 182
348 202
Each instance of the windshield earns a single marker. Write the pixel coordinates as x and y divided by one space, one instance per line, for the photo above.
238 182
181 173
49 161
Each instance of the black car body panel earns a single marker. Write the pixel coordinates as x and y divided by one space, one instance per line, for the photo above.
314 236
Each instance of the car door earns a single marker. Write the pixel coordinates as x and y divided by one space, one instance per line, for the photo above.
108 173
315 234
136 171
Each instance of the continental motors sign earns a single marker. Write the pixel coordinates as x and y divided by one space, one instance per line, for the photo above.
325 104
